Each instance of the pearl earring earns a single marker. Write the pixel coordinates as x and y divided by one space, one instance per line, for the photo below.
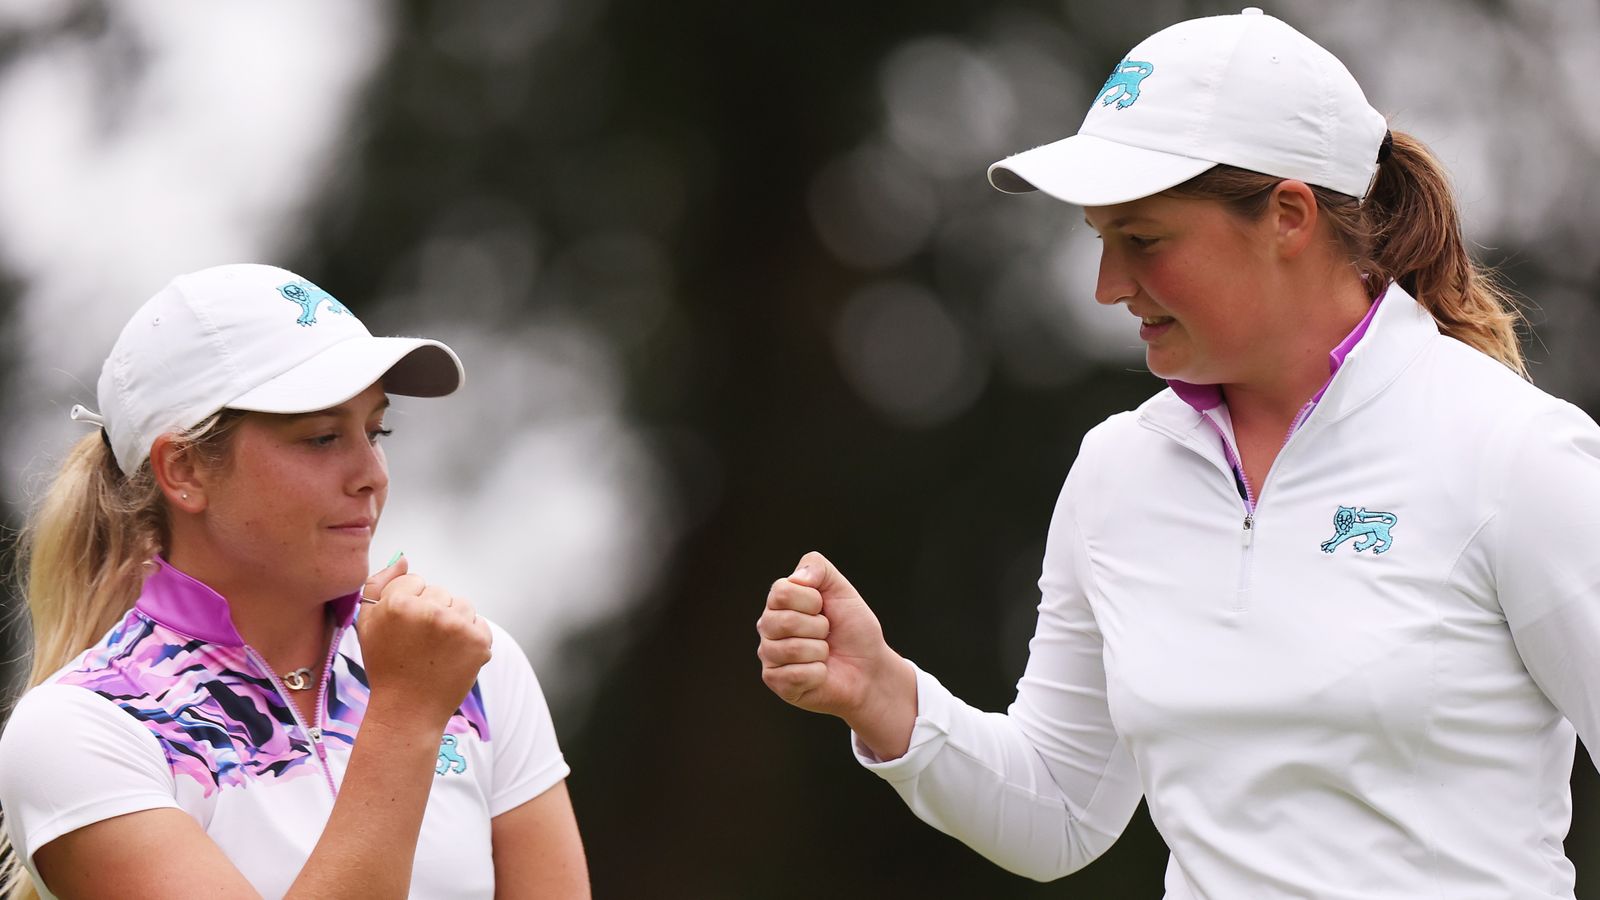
184 496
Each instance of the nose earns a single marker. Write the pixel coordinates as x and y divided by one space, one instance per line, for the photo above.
369 470
1113 285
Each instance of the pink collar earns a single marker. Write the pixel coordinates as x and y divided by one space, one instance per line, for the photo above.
185 605
1204 397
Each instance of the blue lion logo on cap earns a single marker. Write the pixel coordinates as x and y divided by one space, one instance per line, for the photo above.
310 297
1122 88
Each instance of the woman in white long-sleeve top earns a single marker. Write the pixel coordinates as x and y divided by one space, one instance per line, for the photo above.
1329 601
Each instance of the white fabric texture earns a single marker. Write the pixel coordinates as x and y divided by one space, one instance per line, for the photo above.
71 759
1305 718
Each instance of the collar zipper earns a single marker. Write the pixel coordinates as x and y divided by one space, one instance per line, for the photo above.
313 733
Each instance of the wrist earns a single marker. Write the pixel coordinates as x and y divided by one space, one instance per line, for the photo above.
405 721
888 712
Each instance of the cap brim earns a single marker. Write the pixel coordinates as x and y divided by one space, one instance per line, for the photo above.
414 367
1092 171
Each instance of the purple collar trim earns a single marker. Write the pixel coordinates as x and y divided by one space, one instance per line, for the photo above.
185 605
1205 397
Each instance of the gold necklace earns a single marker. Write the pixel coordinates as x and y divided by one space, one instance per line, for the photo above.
299 679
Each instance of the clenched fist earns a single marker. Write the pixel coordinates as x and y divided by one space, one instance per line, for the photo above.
420 644
822 650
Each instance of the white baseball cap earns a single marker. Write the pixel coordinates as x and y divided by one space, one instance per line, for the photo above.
1245 90
249 337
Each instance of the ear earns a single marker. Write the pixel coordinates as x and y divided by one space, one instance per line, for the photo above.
1294 214
176 471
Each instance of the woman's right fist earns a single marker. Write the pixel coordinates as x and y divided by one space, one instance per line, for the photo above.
420 644
821 647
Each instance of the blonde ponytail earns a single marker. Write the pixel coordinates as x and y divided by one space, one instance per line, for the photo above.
85 553
1407 231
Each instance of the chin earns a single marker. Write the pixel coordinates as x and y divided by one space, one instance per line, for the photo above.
344 578
1166 369
1171 367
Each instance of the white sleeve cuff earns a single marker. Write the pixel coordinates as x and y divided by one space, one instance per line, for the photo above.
930 732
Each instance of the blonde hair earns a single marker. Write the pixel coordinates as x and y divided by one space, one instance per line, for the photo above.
84 556
1407 231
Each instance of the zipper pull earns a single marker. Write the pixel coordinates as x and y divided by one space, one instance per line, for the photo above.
315 734
1249 530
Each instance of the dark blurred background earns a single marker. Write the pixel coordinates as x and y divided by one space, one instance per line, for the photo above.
730 285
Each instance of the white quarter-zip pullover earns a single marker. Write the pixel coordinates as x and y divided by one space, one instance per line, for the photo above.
1369 692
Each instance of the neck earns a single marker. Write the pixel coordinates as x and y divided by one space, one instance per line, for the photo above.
289 631
1296 366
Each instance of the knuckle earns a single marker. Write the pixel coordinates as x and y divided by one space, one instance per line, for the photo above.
781 651
816 650
807 650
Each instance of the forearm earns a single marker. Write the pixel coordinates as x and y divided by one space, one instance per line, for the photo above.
1033 803
369 844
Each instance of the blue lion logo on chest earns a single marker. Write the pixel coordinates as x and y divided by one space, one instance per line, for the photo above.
310 297
1122 88
1371 527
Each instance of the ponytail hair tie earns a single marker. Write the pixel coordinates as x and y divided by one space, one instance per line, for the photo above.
1386 148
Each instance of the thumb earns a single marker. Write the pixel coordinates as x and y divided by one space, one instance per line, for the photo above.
815 571
377 581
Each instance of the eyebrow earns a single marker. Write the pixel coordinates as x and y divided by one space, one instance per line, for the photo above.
1119 221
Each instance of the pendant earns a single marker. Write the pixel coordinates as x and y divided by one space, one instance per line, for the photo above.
299 679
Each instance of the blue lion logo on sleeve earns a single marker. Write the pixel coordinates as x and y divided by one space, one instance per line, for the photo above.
1371 527
310 297
1122 88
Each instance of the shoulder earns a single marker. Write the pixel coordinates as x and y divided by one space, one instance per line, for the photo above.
508 673
1130 427
97 685
1133 434
52 719
1510 413
55 709
1478 381
60 737
70 757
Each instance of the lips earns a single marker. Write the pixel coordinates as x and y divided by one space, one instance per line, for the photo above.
364 523
1152 327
